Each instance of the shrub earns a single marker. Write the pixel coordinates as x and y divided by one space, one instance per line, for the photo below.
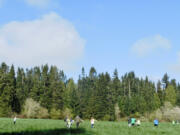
156 115
55 114
67 112
137 115
166 112
32 109
107 117
43 113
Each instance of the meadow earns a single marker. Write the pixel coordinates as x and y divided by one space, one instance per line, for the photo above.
57 127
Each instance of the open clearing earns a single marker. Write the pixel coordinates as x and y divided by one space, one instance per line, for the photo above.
57 127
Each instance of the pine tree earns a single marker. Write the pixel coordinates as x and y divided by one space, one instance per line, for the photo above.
14 102
160 93
116 87
20 88
56 89
5 98
45 97
170 95
165 80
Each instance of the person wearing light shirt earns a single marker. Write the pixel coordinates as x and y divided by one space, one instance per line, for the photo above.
92 122
15 120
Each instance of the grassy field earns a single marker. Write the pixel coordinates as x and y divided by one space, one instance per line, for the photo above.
57 127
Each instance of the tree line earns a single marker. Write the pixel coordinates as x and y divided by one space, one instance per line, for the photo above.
100 95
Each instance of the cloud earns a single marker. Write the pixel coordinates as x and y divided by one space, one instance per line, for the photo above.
38 3
50 39
148 45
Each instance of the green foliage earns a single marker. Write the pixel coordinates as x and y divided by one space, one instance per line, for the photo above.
55 114
32 109
157 102
170 95
93 95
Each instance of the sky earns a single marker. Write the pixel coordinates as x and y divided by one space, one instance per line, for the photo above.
127 35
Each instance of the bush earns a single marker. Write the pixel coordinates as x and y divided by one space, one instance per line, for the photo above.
137 115
43 113
67 112
156 115
55 114
32 109
173 114
107 117
166 112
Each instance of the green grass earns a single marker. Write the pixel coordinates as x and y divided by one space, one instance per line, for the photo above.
57 127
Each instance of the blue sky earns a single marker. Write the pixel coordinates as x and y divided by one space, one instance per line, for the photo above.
138 35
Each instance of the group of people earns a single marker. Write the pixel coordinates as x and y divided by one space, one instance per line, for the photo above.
133 122
70 121
77 120
175 122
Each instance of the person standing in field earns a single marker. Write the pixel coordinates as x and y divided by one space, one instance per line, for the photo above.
92 122
177 121
15 120
173 122
68 123
156 122
78 120
133 121
138 122
129 122
72 121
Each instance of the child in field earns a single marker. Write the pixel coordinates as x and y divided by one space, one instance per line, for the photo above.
65 119
68 123
177 121
173 122
138 123
129 122
15 120
72 121
156 122
92 122
133 121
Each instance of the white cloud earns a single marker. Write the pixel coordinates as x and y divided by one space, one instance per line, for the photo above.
148 45
50 39
38 3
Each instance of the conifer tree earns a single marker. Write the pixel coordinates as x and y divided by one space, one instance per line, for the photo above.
170 95
14 102
5 93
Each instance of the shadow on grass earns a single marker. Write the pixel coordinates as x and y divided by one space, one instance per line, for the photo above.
63 131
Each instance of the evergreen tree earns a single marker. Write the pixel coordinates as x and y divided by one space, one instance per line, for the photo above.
165 80
5 93
94 95
20 88
45 97
14 102
116 87
170 95
178 95
160 93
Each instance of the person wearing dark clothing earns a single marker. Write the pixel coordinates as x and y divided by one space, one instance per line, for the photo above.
78 120
156 122
129 122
